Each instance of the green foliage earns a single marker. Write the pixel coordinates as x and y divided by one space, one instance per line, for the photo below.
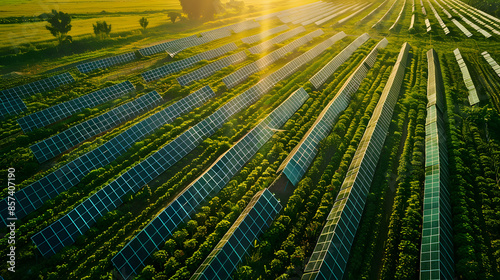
196 9
101 29
174 16
144 23
59 24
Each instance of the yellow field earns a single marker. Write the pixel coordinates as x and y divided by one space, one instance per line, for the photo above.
12 35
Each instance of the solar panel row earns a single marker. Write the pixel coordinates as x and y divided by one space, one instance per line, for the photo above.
475 26
473 97
330 255
55 145
336 14
491 62
65 109
64 231
176 48
105 62
37 86
439 19
493 20
131 258
399 17
462 28
179 65
163 46
276 40
443 9
253 221
243 73
33 196
211 68
11 106
376 10
435 89
327 7
423 8
246 25
436 254
322 75
412 22
324 14
255 38
480 21
298 161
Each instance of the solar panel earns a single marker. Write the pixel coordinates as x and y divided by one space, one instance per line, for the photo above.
66 109
289 17
376 10
436 254
412 23
211 68
302 17
33 196
276 40
129 260
491 62
298 161
439 19
332 16
11 106
474 26
260 36
179 65
37 86
253 221
206 38
481 22
462 28
473 97
399 17
483 14
443 9
330 255
52 239
105 62
423 8
243 73
55 145
322 75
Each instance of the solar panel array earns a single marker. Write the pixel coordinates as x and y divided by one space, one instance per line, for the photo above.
78 221
211 68
322 75
179 65
196 41
289 17
475 26
55 145
33 196
473 97
163 46
480 21
323 14
483 14
439 19
11 106
435 90
330 255
382 19
276 40
491 62
66 109
298 161
37 86
436 254
332 16
246 25
255 38
105 62
357 11
131 258
462 28
304 17
253 221
243 73
285 12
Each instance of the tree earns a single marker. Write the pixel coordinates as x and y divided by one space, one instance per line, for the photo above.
101 29
59 24
144 23
198 8
173 16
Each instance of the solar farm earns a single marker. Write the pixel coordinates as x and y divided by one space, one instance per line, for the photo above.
314 140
